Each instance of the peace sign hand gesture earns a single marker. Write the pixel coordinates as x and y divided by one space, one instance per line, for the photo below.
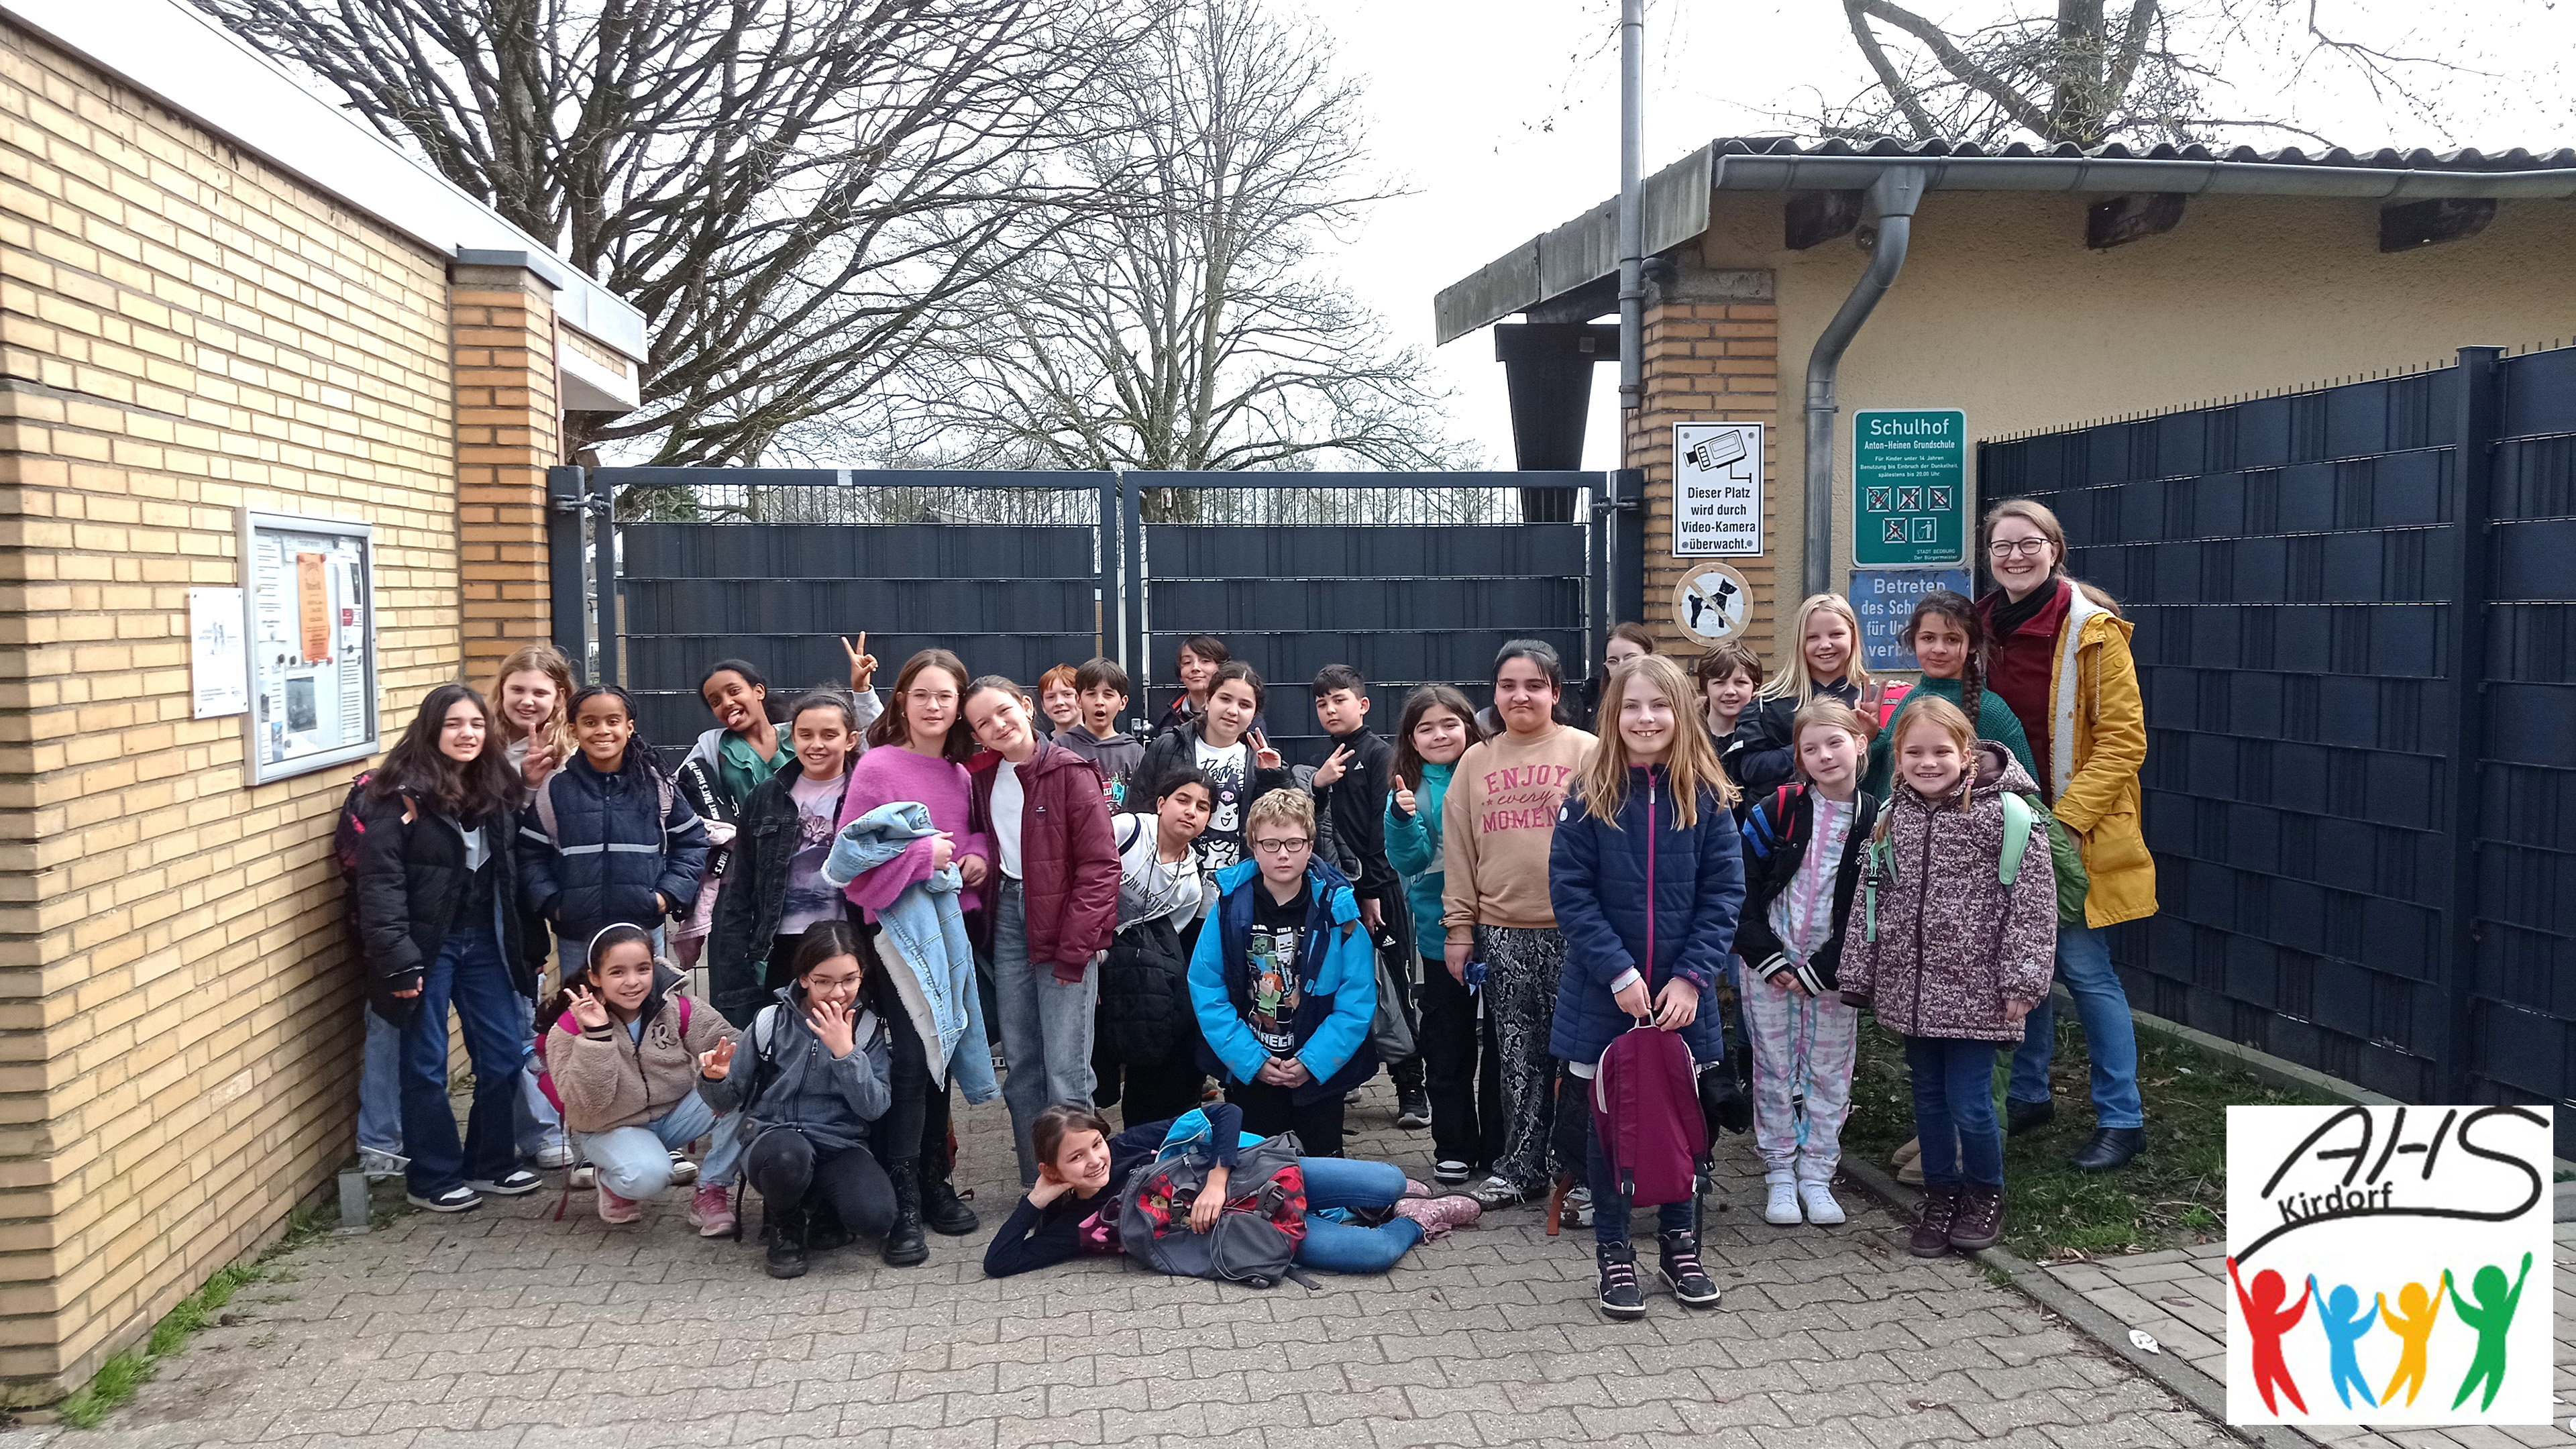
716 1065
863 665
1262 755
1332 768
589 1010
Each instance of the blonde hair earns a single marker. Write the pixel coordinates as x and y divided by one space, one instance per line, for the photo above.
1281 807
547 660
1691 764
1826 713
1940 714
1792 682
2039 516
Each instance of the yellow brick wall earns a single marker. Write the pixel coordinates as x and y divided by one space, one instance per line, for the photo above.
507 433
1706 362
182 331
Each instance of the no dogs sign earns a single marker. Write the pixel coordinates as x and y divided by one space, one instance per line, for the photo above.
1712 603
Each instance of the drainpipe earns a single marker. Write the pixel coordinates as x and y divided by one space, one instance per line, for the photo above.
1632 204
1893 197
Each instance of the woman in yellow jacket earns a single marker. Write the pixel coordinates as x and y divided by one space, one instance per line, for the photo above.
2059 655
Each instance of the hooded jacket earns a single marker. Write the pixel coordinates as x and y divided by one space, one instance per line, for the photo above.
410 878
1936 943
606 1079
1068 865
1646 895
754 897
1777 831
2096 730
615 845
1413 848
1337 982
1995 721
784 1076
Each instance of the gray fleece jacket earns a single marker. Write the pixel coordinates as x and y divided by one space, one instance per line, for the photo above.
786 1077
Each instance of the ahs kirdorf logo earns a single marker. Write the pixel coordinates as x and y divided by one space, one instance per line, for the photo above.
2388 1265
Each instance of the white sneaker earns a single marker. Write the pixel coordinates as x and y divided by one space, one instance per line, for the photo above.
683 1171
1818 1199
1782 1209
585 1176
377 1162
556 1153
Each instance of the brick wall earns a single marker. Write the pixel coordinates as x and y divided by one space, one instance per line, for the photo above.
1706 361
183 331
507 435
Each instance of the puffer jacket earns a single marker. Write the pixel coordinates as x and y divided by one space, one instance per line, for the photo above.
754 897
409 881
1936 943
1646 894
1068 864
1777 831
784 1076
1413 848
1337 984
618 839
605 1079
1760 755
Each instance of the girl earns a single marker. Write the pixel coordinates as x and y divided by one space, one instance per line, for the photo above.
1437 727
1802 861
1497 822
1627 641
1054 902
1083 1168
1949 641
437 893
2058 654
815 1080
622 1046
1646 878
918 753
1951 958
609 839
534 690
1224 742
775 889
1730 679
1825 665
1058 699
1144 1024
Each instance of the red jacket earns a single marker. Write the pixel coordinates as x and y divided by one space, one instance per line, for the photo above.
1068 863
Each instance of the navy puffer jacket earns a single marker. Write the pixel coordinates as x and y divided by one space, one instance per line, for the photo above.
1615 888
614 841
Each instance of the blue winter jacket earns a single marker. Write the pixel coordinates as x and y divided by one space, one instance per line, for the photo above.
1337 975
1600 879
595 848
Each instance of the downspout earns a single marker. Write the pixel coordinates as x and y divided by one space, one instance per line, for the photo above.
1892 197
1632 205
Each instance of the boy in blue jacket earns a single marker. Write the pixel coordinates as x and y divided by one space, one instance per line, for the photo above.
1284 981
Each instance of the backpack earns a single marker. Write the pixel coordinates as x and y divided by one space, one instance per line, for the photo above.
1255 1239
2021 818
1646 1116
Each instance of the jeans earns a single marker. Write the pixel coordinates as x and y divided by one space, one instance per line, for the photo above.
1045 1023
1954 1110
470 972
635 1162
380 1086
2102 1005
1334 1182
1611 1215
573 953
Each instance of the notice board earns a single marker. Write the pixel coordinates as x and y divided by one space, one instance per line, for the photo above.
309 617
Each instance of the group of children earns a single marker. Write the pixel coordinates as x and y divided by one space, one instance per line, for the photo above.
881 893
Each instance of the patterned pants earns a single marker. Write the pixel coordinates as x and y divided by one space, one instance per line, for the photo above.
1522 965
1801 1044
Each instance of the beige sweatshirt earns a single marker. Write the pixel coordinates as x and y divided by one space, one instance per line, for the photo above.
1496 826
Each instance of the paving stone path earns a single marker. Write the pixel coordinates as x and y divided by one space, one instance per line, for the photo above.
503 1327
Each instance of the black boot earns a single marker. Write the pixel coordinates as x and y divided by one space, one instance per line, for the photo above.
2021 1116
946 1213
904 1244
1621 1297
2110 1150
824 1230
1691 1285
784 1229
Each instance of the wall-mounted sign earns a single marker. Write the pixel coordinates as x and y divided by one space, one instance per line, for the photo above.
1909 487
1884 599
218 661
1717 490
309 622
1712 602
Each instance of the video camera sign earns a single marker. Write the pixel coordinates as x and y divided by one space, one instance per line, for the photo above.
1909 487
1717 490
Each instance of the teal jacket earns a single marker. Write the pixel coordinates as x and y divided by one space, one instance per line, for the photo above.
1995 721
1413 848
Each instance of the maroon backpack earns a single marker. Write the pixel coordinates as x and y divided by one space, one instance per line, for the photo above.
1646 1116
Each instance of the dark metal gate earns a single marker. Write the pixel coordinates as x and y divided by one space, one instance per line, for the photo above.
2354 612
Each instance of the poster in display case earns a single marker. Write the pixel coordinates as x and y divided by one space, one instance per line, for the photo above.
309 616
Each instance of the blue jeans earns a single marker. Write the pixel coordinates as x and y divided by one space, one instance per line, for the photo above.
1339 1182
635 1162
469 972
1612 1220
1045 1026
380 1085
2102 1005
1954 1111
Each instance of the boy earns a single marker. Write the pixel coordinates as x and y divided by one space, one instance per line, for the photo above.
1351 789
1226 742
1730 676
1284 982
1100 687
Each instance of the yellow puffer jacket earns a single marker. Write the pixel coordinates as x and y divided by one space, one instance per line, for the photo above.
2097 745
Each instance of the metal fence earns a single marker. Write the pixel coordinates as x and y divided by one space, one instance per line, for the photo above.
2353 612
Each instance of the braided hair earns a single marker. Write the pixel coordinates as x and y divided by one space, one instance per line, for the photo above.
1944 604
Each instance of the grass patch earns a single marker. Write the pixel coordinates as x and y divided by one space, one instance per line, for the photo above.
2173 1196
117 1380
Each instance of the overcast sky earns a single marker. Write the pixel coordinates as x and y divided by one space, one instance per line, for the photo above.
1501 118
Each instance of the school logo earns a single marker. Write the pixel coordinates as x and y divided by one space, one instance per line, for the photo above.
2388 1265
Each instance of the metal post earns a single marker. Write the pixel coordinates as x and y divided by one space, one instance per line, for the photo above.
608 662
1632 206
566 577
1132 595
1893 196
2477 420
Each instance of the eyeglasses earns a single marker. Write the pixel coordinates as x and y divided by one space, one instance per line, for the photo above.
2007 547
1281 847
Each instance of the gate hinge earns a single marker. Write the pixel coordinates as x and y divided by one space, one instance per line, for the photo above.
1616 505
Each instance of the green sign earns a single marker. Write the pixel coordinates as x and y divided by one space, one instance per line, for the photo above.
1909 487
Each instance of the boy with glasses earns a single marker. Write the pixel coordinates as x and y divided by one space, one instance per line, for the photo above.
1284 981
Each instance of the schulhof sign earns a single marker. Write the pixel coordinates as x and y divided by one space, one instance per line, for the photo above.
1717 489
1909 487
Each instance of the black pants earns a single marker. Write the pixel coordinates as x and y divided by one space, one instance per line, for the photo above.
1156 1090
916 1125
1409 1074
1459 1072
1269 1111
783 1166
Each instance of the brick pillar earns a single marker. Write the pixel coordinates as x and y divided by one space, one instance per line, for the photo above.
1712 344
508 432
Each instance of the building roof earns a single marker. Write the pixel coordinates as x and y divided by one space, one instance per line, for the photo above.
1583 251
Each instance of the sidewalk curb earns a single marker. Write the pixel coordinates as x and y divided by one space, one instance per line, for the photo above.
2198 1389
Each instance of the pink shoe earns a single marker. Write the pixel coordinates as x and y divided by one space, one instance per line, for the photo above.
1440 1214
1415 1189
711 1210
615 1209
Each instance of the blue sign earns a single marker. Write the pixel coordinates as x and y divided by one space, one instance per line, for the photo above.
1885 598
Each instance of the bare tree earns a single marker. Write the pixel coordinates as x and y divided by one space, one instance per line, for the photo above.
795 193
1192 327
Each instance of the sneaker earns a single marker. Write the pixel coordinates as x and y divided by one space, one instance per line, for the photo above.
1578 1206
1818 1199
557 1153
1980 1219
454 1200
615 1209
1499 1191
683 1171
1449 1171
377 1162
1412 1109
711 1210
1440 1214
585 1176
1931 1236
517 1182
1682 1272
1620 1298
1415 1189
1782 1209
